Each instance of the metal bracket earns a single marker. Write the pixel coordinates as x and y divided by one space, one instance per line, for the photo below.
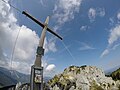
40 51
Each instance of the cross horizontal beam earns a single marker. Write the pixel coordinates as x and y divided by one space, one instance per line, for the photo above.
41 24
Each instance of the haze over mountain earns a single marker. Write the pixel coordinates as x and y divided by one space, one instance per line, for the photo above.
8 77
109 71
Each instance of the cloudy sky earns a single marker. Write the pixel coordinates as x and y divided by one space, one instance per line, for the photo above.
90 31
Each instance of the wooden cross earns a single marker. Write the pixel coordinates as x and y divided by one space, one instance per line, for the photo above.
37 70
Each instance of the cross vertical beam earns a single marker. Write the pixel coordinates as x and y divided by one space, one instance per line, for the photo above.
40 50
36 80
37 76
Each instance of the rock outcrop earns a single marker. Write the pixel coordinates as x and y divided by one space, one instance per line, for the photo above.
83 78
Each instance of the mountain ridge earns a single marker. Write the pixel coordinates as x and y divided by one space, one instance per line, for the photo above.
83 78
8 77
109 71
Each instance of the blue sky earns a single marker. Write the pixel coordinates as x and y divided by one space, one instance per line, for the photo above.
90 31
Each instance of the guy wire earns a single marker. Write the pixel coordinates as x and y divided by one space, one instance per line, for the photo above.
13 6
12 55
68 50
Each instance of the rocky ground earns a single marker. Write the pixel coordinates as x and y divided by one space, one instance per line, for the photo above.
82 78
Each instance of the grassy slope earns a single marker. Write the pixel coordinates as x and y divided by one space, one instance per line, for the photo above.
116 74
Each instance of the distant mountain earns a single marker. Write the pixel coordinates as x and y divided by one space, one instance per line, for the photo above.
109 71
7 78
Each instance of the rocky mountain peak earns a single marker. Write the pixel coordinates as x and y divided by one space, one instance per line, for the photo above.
83 78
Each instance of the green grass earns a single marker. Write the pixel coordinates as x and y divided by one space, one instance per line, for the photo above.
94 86
116 74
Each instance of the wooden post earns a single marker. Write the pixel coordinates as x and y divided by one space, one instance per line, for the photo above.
36 80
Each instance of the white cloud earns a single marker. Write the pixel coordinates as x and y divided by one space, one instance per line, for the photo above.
105 52
42 3
26 45
85 47
50 45
114 20
21 66
113 40
84 28
118 16
25 50
114 35
64 10
115 46
93 12
50 67
101 12
111 21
